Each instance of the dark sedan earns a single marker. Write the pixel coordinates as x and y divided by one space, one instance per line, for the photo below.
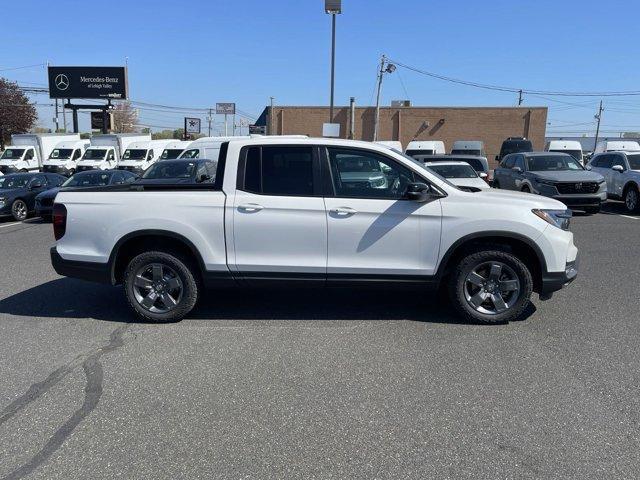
18 192
86 179
179 171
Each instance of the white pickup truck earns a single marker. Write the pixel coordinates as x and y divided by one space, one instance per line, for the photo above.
315 210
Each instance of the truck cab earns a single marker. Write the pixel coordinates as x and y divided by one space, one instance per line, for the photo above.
173 149
64 157
141 155
16 158
28 150
97 158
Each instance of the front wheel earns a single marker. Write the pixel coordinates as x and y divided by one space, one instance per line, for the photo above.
19 210
160 286
631 199
491 286
496 184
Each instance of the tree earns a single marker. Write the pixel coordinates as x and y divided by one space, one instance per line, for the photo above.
17 115
124 118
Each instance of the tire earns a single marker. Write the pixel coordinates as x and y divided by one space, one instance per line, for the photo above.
19 210
592 210
23 170
632 199
160 286
496 184
526 189
475 284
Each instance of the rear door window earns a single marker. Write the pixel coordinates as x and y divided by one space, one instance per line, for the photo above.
509 161
280 171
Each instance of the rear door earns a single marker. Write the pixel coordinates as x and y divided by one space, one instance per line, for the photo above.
602 164
373 231
503 174
279 222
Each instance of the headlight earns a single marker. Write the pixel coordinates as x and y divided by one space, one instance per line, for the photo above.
3 200
550 183
557 218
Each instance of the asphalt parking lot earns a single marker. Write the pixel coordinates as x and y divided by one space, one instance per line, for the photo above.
337 384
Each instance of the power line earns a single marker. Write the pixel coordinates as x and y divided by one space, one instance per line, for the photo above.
24 66
500 88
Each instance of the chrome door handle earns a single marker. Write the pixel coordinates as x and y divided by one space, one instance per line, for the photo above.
250 207
343 211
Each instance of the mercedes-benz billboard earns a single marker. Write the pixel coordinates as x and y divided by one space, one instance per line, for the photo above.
88 82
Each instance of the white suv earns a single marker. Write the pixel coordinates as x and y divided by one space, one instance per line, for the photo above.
621 170
315 211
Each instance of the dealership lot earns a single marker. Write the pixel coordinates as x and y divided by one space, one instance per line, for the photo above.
338 384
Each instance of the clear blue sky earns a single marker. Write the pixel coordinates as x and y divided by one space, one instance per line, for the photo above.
199 52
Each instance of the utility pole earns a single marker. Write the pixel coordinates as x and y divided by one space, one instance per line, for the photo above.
598 116
64 116
56 119
384 68
519 97
226 131
333 63
352 118
209 120
270 126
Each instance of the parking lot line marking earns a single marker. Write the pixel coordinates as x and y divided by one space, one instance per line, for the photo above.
628 216
10 224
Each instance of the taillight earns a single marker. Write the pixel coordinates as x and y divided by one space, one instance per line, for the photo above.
59 220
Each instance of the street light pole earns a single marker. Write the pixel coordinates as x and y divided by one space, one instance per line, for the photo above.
332 7
598 116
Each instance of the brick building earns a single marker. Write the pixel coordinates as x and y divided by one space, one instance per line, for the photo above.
489 124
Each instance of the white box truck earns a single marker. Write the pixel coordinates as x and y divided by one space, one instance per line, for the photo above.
105 151
65 156
28 150
141 155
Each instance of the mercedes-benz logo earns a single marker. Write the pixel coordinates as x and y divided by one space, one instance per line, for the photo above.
62 81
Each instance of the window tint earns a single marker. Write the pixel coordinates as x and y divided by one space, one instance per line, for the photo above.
358 173
77 154
252 171
509 161
150 155
617 160
279 171
39 178
55 180
605 161
117 179
110 156
193 153
519 162
29 155
211 170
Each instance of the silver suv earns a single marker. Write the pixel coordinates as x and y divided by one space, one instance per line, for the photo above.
621 170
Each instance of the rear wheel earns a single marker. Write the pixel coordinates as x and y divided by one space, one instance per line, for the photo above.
496 184
160 286
631 199
526 189
491 286
19 210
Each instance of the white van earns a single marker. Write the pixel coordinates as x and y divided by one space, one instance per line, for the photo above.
105 151
207 147
65 156
572 147
173 149
617 146
396 145
468 147
28 151
141 155
428 147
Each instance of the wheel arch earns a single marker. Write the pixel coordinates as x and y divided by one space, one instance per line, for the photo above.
139 241
630 184
524 247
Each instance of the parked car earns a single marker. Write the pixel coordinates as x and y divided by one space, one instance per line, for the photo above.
279 211
91 178
18 192
479 164
425 147
556 175
460 174
179 171
621 170
514 145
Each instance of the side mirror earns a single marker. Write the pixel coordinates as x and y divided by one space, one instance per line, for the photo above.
483 175
618 168
35 185
517 169
418 192
587 167
498 158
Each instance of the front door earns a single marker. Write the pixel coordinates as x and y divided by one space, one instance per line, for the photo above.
372 230
279 223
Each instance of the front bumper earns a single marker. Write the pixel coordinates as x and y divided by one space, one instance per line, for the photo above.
91 271
581 200
554 281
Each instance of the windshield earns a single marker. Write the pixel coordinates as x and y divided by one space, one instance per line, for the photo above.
552 163
454 171
94 154
14 181
61 153
134 154
577 154
358 164
89 179
474 162
182 169
12 153
634 161
193 153
170 153
466 151
426 151
516 146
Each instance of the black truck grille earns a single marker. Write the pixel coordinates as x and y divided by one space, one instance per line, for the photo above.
577 187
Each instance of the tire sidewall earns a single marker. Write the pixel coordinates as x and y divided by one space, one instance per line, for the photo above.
472 260
637 193
182 268
17 219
